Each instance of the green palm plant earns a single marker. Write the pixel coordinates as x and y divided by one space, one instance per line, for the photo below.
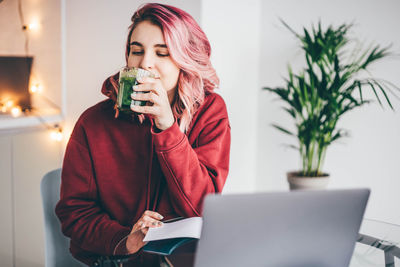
328 87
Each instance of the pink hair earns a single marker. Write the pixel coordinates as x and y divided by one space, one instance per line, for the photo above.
189 48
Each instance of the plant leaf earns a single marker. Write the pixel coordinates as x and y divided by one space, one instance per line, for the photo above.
282 129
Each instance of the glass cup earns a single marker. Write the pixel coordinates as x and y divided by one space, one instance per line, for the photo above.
127 79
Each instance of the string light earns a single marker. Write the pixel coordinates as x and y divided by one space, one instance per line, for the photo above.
57 134
56 131
16 111
9 104
36 88
33 26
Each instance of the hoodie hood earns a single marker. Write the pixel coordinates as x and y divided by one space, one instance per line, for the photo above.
110 87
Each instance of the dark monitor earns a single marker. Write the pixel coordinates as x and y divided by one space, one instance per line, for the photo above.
14 80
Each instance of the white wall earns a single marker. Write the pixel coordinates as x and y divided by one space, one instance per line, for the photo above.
370 157
234 33
6 200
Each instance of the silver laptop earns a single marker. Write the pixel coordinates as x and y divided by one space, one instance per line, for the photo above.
290 229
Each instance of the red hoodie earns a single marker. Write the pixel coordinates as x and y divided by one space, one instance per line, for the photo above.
116 168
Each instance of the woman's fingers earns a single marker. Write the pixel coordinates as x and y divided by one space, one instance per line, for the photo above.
158 97
144 80
153 214
152 110
150 84
146 223
145 87
149 219
145 96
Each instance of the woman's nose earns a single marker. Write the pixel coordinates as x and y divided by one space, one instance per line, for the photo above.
147 61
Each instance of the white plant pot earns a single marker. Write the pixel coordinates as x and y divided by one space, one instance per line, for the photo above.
307 183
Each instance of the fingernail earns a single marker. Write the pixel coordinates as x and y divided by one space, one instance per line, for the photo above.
160 223
160 216
135 87
133 94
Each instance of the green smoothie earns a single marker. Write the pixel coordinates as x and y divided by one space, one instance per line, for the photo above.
127 79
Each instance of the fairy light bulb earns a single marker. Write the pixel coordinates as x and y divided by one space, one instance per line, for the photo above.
16 111
56 134
33 26
36 88
9 104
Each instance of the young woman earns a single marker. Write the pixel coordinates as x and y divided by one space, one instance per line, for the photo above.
123 174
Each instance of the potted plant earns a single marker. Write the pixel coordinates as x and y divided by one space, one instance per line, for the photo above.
330 85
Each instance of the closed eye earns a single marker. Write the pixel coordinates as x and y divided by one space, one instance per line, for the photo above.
137 52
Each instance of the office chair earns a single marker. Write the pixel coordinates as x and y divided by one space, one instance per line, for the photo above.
57 245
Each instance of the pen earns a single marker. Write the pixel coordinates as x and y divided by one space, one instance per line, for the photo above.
173 219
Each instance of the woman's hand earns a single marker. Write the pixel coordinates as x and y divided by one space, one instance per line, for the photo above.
149 219
157 97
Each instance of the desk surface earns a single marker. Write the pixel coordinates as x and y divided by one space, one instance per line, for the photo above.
378 245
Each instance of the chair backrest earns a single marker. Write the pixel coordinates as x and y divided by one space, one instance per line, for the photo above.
57 245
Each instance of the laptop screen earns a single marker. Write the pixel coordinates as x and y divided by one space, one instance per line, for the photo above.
14 80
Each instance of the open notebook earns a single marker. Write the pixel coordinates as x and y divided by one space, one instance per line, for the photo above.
172 235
